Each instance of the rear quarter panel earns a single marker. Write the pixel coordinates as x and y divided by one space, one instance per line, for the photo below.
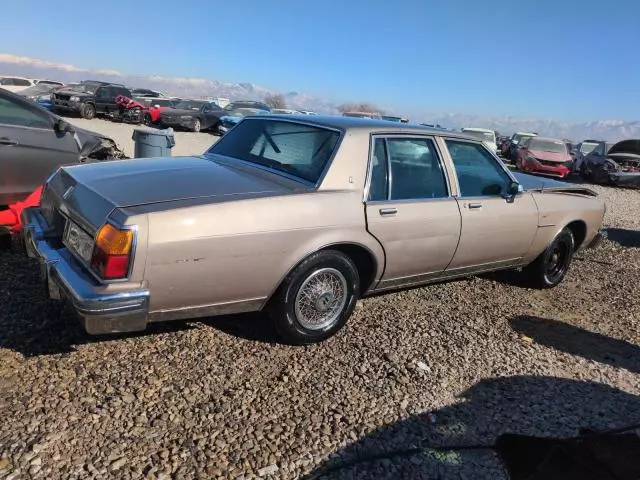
240 250
557 210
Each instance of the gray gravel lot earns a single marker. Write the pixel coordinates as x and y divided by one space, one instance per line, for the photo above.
221 398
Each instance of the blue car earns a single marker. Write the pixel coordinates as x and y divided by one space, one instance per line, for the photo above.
233 117
40 93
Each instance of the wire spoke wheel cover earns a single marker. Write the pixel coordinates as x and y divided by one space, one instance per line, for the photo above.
321 299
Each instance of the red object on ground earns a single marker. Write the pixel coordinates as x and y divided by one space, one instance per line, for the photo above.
11 217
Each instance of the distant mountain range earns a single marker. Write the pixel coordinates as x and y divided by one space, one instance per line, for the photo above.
187 87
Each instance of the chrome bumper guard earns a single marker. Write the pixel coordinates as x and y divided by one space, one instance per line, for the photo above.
99 312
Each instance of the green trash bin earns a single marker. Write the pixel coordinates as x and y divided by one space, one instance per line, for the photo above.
151 142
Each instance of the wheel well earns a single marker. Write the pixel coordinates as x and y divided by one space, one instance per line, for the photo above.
579 231
364 260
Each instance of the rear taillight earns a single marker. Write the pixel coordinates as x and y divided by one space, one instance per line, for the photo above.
112 252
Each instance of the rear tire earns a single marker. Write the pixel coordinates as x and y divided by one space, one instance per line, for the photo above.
88 111
316 299
197 126
552 265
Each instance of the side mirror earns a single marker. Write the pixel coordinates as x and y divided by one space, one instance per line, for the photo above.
512 190
63 127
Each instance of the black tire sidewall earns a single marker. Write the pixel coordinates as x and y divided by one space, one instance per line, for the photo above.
564 235
283 308
88 111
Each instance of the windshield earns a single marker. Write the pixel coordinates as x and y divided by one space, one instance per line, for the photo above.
295 149
484 136
39 89
189 105
517 138
236 105
553 146
243 112
87 87
587 147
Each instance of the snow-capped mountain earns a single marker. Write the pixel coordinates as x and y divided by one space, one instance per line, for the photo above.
187 87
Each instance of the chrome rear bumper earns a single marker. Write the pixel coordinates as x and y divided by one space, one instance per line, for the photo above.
100 309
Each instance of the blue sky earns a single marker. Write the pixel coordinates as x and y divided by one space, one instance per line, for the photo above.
562 59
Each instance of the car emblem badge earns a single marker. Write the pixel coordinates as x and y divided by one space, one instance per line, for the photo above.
68 193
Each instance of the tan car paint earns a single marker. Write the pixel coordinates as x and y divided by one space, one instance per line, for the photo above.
226 254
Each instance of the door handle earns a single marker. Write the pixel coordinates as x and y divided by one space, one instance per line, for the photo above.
7 141
388 211
475 205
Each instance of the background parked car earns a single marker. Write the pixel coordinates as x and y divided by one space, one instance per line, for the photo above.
34 142
391 118
548 156
15 84
614 164
284 111
513 147
233 117
374 115
40 93
484 134
89 98
197 115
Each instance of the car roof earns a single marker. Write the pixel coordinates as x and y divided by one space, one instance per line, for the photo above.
547 139
477 129
358 123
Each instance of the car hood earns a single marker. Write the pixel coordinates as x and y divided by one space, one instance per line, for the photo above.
71 91
144 181
627 147
532 183
550 156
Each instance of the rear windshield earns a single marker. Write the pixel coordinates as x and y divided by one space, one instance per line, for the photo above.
296 149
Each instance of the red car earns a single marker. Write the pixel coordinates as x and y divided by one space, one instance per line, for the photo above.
548 156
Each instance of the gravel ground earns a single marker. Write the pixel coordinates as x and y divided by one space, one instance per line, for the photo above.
187 143
222 399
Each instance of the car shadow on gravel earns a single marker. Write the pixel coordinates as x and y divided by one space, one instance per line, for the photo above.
577 341
254 326
539 406
624 237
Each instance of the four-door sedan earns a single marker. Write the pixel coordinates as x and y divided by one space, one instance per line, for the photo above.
34 143
548 156
298 216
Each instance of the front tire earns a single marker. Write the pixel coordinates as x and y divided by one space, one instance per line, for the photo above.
197 126
88 111
316 299
552 265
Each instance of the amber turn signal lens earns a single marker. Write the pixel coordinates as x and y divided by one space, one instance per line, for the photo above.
113 241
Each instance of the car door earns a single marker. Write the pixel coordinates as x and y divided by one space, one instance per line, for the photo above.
30 148
102 96
497 228
410 210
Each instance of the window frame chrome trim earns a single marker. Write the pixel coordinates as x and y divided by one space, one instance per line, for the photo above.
459 196
385 136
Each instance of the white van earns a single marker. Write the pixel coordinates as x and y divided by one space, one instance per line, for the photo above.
484 134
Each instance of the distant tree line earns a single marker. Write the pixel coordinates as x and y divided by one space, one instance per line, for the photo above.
275 100
359 107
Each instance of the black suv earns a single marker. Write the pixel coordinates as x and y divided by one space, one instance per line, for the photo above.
89 98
